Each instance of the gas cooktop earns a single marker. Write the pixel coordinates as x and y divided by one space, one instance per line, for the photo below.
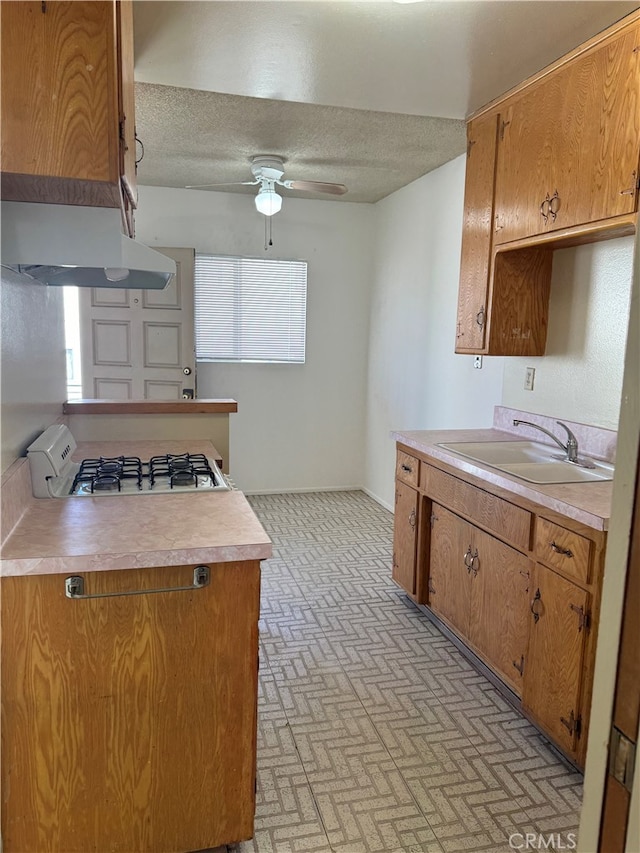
54 473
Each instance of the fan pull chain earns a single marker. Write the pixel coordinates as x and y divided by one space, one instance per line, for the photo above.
268 242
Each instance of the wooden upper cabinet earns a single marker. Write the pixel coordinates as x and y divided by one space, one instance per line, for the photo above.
477 233
568 145
67 97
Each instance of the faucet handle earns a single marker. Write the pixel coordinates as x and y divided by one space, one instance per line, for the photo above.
572 443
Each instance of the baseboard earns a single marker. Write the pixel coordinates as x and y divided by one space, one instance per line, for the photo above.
377 499
303 491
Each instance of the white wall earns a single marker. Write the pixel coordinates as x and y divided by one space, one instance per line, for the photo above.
415 380
297 426
33 362
580 376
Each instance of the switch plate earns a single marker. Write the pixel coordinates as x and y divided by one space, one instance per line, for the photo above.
529 376
477 362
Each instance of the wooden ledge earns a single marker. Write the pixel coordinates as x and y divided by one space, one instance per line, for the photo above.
150 407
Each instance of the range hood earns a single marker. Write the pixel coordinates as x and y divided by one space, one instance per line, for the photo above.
83 246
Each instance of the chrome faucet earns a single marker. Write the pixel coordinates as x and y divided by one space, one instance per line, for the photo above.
570 448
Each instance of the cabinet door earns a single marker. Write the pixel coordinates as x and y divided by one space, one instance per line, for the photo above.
129 722
477 229
405 537
572 138
498 623
449 582
552 677
60 103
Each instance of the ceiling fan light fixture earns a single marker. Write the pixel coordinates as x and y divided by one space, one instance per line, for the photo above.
268 201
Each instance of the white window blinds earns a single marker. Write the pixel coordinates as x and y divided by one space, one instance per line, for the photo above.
250 309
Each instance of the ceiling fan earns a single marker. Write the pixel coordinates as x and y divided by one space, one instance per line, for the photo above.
268 171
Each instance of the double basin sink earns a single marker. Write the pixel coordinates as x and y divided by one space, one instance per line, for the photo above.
531 461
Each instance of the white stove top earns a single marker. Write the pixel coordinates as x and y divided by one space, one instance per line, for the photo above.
54 473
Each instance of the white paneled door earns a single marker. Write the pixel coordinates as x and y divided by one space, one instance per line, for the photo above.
139 344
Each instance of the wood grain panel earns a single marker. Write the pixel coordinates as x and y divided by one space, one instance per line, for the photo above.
499 625
581 120
477 230
520 288
506 520
407 468
449 582
59 84
405 537
129 723
551 691
563 549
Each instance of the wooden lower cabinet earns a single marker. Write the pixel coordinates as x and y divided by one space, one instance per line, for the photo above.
558 631
481 587
405 537
517 584
129 720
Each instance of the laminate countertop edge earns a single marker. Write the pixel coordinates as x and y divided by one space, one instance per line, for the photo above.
587 503
150 407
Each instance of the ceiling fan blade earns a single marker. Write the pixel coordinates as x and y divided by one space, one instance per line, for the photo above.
226 184
316 187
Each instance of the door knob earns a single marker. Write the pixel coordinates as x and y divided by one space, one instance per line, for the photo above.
186 371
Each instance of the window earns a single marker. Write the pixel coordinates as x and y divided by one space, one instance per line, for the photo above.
250 309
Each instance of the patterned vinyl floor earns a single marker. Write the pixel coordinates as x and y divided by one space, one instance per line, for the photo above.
375 734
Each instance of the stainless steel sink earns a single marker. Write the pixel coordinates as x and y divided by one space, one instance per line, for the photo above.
530 461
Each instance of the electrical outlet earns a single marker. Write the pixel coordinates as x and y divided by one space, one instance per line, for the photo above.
529 376
477 362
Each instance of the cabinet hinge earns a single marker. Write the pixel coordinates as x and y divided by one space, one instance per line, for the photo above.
121 129
573 724
622 757
43 7
634 187
583 616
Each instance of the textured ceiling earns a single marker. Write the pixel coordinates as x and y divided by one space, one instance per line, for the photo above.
371 95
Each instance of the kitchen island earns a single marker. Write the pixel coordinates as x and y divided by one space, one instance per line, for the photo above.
128 711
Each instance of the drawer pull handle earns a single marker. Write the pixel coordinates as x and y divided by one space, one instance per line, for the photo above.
412 519
566 552
480 317
406 468
536 598
519 666
74 586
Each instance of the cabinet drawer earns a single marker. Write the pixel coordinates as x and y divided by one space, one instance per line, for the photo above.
407 468
508 521
563 549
